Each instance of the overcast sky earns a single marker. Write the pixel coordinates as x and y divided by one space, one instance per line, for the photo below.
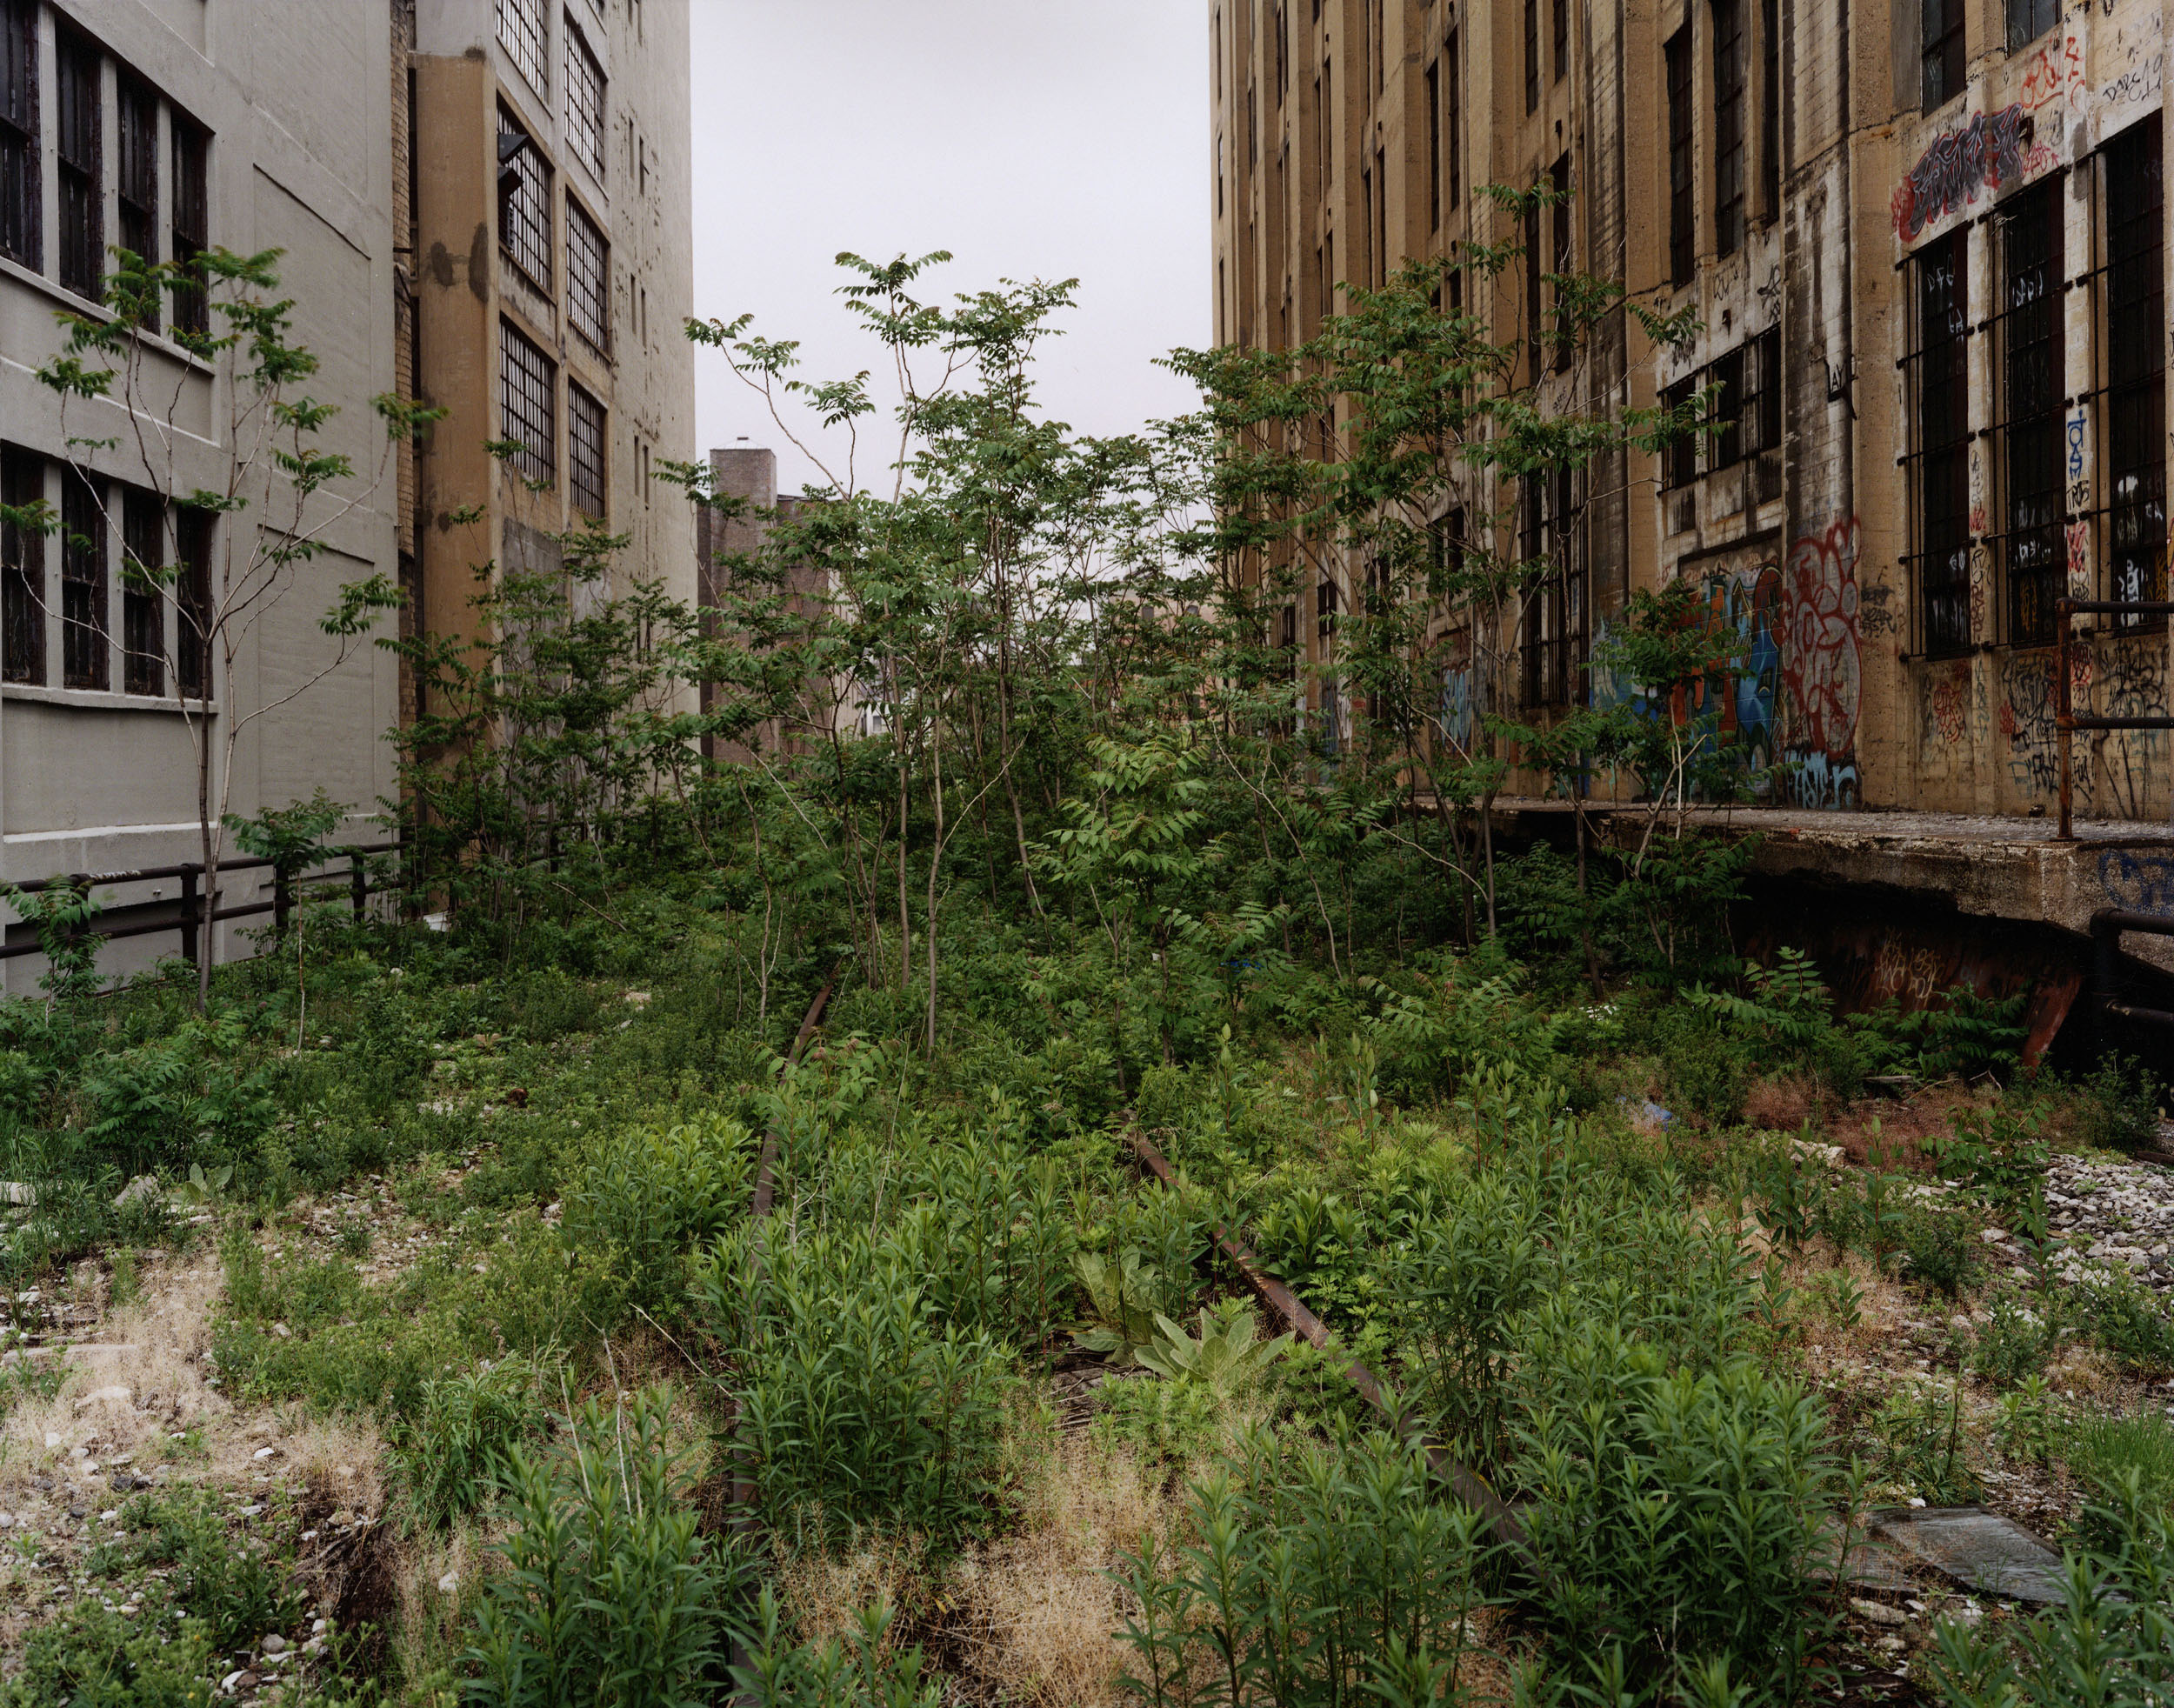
1032 139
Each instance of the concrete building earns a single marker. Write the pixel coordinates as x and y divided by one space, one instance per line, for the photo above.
482 203
1927 242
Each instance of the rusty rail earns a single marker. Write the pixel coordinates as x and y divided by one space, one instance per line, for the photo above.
2066 720
1468 1485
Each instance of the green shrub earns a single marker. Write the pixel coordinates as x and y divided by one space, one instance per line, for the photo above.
2110 1454
1940 1249
651 1195
91 1656
1673 1517
608 1594
2117 1106
1177 1421
1703 1064
458 1445
2133 1323
235 1589
2017 1341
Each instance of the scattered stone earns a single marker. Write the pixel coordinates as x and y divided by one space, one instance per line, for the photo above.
449 1582
115 1395
14 1191
275 1645
1879 1612
143 1188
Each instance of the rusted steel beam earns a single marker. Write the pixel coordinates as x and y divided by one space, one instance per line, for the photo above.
1469 1486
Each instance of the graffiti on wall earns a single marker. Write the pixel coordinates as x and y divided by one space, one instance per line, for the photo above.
2030 699
1991 151
1745 601
2139 880
2132 683
1945 707
2048 76
1821 666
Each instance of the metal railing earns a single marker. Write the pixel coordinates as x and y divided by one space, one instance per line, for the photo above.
2066 719
2107 925
188 919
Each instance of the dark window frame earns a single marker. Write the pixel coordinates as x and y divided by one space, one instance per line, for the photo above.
588 277
2027 20
1682 192
588 101
136 173
528 405
524 202
2030 334
85 584
1532 73
524 32
22 170
1941 64
2133 294
142 593
1730 99
1563 251
1433 85
194 543
22 570
79 148
190 149
1938 367
1452 74
588 439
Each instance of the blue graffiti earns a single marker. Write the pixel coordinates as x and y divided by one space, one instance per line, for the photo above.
2142 882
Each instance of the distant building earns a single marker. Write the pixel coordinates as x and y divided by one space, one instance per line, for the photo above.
482 203
1927 243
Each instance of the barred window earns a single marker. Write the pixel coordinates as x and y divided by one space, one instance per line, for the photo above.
1728 125
585 107
143 597
588 278
191 218
21 227
1531 56
1559 220
1681 206
21 571
1679 459
585 454
524 202
1553 641
2136 391
1942 376
523 32
192 602
82 243
1726 448
1763 409
139 176
82 584
526 387
2033 440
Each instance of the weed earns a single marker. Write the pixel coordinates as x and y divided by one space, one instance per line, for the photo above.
1940 1250
2132 1323
2017 1340
2118 1108
458 1446
1921 1436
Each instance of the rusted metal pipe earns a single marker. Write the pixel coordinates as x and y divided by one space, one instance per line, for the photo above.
2107 925
1468 1485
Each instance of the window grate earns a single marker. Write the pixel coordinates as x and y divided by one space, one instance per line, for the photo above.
1941 373
21 202
1434 145
82 584
2033 440
1728 124
585 453
1455 120
527 386
142 596
1555 619
1531 56
588 279
524 202
1559 221
77 145
2135 374
1681 205
585 106
523 32
191 218
21 571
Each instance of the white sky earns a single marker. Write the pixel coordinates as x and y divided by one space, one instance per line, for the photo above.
1032 139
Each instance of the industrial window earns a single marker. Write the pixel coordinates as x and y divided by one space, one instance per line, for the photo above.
1327 597
1531 56
588 278
82 584
1728 125
21 233
523 32
1366 203
2033 440
1561 22
526 387
138 175
2029 19
1451 69
21 571
1554 624
1942 378
585 107
1770 107
584 453
1726 375
1328 122
1381 218
1434 145
192 602
1940 23
192 216
1679 459
1763 411
1536 329
1560 182
2136 389
524 202
1682 225
142 596
82 204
